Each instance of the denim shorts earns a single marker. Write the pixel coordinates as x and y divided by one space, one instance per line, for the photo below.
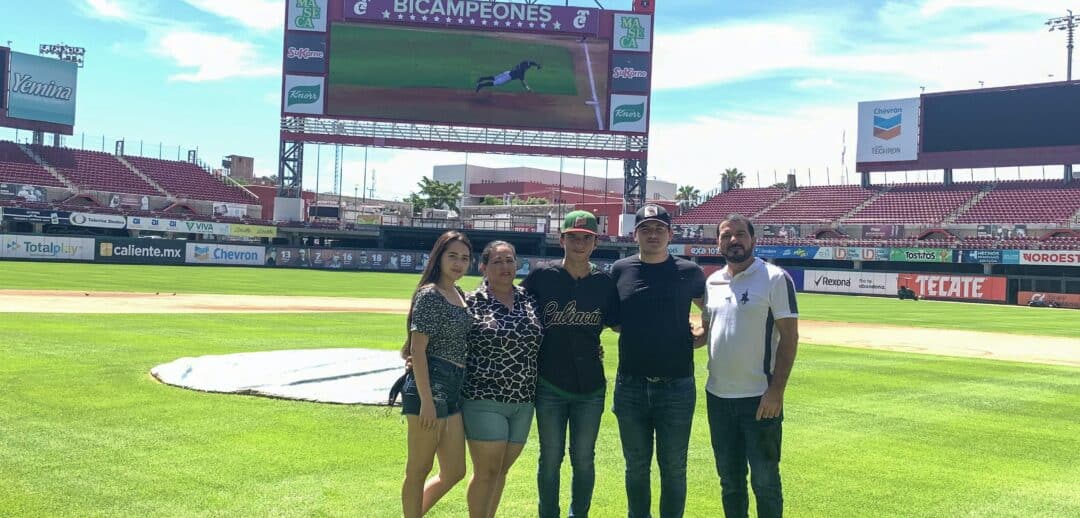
487 420
446 380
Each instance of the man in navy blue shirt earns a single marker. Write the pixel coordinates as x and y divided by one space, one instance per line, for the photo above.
655 392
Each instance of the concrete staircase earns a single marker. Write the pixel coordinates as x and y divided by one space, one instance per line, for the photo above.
951 218
777 202
872 199
145 178
50 169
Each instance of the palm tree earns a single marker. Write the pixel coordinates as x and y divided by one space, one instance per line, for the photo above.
735 178
688 196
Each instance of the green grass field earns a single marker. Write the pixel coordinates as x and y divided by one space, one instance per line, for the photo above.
261 281
87 432
419 58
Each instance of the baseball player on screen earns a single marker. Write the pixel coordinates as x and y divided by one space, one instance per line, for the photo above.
518 72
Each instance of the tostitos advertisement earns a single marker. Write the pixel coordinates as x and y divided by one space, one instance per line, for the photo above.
210 253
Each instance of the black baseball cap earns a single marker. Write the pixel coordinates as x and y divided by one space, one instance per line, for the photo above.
652 212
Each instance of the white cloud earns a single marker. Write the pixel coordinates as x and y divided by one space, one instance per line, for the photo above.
815 82
272 98
935 7
747 50
756 144
213 57
256 14
108 9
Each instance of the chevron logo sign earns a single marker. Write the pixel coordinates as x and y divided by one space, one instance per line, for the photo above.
887 123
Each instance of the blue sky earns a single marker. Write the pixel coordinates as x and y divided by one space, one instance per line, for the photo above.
767 86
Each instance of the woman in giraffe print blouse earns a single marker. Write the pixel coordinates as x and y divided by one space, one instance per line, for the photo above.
500 380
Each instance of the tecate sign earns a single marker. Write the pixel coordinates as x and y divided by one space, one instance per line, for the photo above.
955 287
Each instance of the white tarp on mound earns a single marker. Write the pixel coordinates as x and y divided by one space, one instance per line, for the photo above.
347 376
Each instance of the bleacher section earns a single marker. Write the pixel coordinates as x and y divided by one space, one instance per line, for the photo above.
915 203
95 171
186 180
1034 201
18 167
821 204
744 201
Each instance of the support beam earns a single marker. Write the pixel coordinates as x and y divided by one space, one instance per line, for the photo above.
635 180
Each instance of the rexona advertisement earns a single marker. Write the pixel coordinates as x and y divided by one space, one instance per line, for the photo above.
47 248
140 251
859 283
888 131
955 287
210 253
42 89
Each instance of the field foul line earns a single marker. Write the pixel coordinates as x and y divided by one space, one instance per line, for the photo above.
592 85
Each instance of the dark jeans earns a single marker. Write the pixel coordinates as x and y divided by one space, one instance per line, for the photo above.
554 412
664 407
737 439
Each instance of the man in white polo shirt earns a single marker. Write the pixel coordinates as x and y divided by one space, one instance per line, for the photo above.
751 321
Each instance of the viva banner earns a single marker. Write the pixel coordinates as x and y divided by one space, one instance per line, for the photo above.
921 255
47 248
42 89
955 287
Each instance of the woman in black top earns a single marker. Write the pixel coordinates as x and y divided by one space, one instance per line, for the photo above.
431 396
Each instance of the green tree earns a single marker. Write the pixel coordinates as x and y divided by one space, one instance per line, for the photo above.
536 201
491 200
734 177
435 194
779 185
688 196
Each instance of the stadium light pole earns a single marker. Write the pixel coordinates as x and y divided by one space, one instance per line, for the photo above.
1067 24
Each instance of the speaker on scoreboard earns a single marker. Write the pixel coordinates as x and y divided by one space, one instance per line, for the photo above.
644 6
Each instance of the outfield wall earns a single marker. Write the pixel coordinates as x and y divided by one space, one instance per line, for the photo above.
881 278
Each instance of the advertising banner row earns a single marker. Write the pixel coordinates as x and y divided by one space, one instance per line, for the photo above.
903 255
128 251
112 221
930 286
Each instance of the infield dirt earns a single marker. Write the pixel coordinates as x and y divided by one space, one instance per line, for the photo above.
947 342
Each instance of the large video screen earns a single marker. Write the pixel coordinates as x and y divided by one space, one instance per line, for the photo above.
469 62
1045 116
491 79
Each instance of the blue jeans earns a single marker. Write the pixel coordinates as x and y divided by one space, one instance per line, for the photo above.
664 407
739 438
554 411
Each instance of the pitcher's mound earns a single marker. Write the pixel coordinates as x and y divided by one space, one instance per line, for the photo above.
346 376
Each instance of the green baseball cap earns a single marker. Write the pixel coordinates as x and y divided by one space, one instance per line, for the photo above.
580 221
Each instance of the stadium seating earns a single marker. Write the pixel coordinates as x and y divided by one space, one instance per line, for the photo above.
915 203
1030 201
17 167
187 180
743 201
820 204
92 170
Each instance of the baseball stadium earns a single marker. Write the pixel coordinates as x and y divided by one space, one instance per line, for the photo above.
182 339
